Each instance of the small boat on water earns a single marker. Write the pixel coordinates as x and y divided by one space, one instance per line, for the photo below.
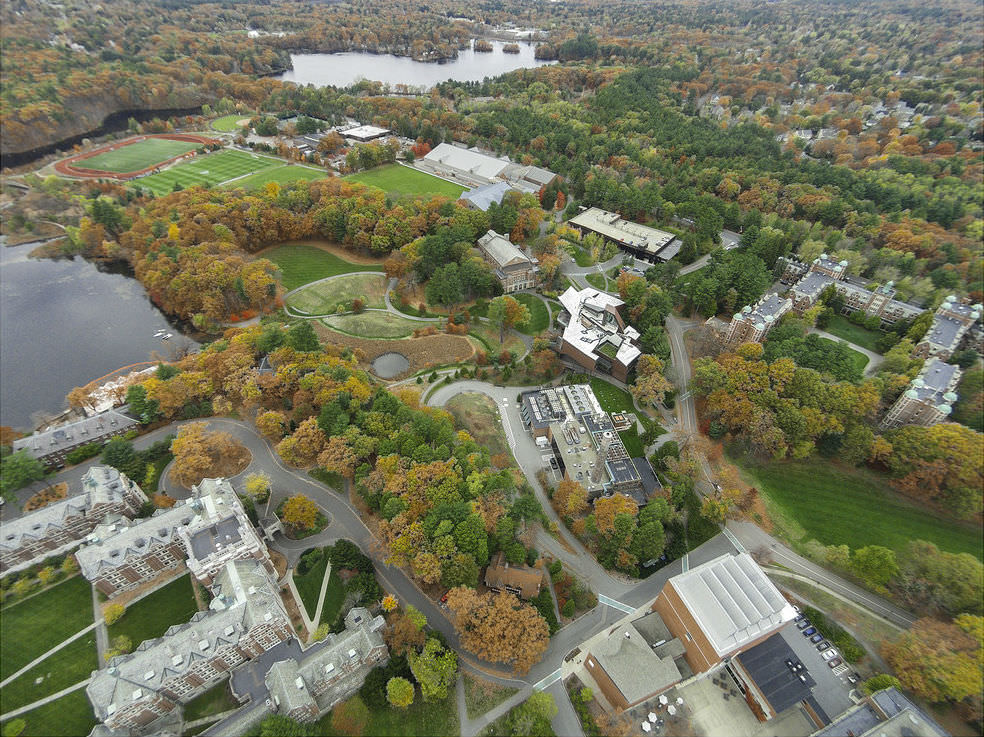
168 336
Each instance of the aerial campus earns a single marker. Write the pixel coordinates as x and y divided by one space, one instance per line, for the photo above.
567 368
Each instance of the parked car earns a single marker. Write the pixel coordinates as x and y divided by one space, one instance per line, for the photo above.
829 654
809 631
816 638
823 645
835 662
803 623
799 618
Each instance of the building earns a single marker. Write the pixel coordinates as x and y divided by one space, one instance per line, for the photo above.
51 446
929 398
951 323
245 619
569 421
754 322
365 133
329 672
477 168
721 608
208 530
768 677
886 712
641 241
63 525
513 268
521 580
481 198
595 336
825 272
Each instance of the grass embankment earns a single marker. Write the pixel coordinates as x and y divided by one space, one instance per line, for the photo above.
479 416
324 297
403 180
598 281
481 696
610 397
374 325
847 330
138 156
539 315
301 264
815 499
173 603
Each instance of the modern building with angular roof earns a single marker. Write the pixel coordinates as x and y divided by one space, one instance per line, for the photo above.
595 335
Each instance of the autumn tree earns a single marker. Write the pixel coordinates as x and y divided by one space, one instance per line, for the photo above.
650 386
200 454
609 507
300 513
302 448
403 635
350 717
507 312
112 613
257 486
399 692
570 497
273 424
499 627
338 457
435 669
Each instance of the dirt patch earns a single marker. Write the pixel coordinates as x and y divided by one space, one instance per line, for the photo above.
479 415
355 257
46 496
431 350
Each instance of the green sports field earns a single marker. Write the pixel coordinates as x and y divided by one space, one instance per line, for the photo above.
210 170
139 155
227 123
281 175
404 180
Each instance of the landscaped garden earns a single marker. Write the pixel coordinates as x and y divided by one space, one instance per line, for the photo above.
487 336
302 264
149 617
482 696
138 156
835 505
210 170
857 334
435 718
539 315
374 324
405 180
325 297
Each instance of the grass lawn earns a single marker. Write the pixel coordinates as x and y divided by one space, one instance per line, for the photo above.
633 443
300 264
847 330
374 325
479 415
210 170
488 336
404 180
309 585
69 716
150 617
33 626
281 175
482 696
815 499
324 297
227 123
539 316
598 281
860 360
73 663
433 718
214 701
610 397
138 155
334 598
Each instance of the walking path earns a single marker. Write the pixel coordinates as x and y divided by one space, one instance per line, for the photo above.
102 634
53 650
874 359
308 624
321 596
45 700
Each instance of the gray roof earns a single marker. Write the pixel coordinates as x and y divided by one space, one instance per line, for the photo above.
483 197
501 250
210 539
889 713
812 284
766 664
767 310
112 544
89 430
244 598
287 688
935 382
633 666
945 332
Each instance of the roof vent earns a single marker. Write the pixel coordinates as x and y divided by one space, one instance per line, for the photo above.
229 630
267 617
203 644
299 683
177 660
329 668
148 675
137 693
352 653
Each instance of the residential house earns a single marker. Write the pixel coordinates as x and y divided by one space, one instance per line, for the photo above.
513 268
754 322
521 580
595 335
62 526
51 446
929 398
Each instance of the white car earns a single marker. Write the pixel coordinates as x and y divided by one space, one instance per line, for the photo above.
829 654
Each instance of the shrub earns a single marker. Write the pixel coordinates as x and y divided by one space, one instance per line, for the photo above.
568 610
877 683
112 613
350 717
850 648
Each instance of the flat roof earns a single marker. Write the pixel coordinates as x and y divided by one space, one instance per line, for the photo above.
732 600
766 664
614 226
365 132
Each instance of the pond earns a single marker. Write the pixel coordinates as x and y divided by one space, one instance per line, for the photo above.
390 365
347 68
66 322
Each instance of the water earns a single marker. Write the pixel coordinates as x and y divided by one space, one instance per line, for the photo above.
64 323
388 365
347 68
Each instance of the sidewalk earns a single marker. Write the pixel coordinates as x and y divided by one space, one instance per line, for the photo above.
45 700
55 649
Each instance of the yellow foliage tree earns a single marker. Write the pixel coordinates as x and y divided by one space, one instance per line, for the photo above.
300 512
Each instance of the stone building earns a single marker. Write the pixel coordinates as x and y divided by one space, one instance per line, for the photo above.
51 446
951 323
63 525
754 322
246 618
929 398
513 268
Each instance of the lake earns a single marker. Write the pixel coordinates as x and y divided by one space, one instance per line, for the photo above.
64 323
341 70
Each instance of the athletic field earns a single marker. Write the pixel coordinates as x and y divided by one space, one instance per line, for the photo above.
136 156
227 123
281 175
404 180
210 170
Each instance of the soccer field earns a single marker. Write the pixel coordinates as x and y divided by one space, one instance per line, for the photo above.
209 170
139 155
281 175
404 180
227 123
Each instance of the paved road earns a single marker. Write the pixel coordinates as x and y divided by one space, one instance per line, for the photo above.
874 359
685 407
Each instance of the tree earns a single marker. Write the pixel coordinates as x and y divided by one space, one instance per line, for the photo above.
937 579
301 337
399 692
499 627
389 603
444 287
198 453
403 635
302 448
273 424
609 507
507 312
300 512
278 725
112 613
533 716
18 470
650 386
570 497
350 717
434 668
880 682
939 661
338 457
874 564
257 485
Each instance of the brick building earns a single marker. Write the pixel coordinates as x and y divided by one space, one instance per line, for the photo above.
754 322
513 268
929 398
63 526
595 335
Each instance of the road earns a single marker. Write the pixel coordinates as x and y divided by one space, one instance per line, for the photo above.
874 359
685 407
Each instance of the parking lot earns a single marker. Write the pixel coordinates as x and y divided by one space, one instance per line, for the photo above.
832 691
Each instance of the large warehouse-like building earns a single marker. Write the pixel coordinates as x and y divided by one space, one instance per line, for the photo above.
476 168
641 241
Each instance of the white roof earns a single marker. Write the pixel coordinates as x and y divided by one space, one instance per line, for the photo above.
613 226
365 132
467 160
585 332
732 600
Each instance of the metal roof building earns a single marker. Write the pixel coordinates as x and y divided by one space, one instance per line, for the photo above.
639 240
